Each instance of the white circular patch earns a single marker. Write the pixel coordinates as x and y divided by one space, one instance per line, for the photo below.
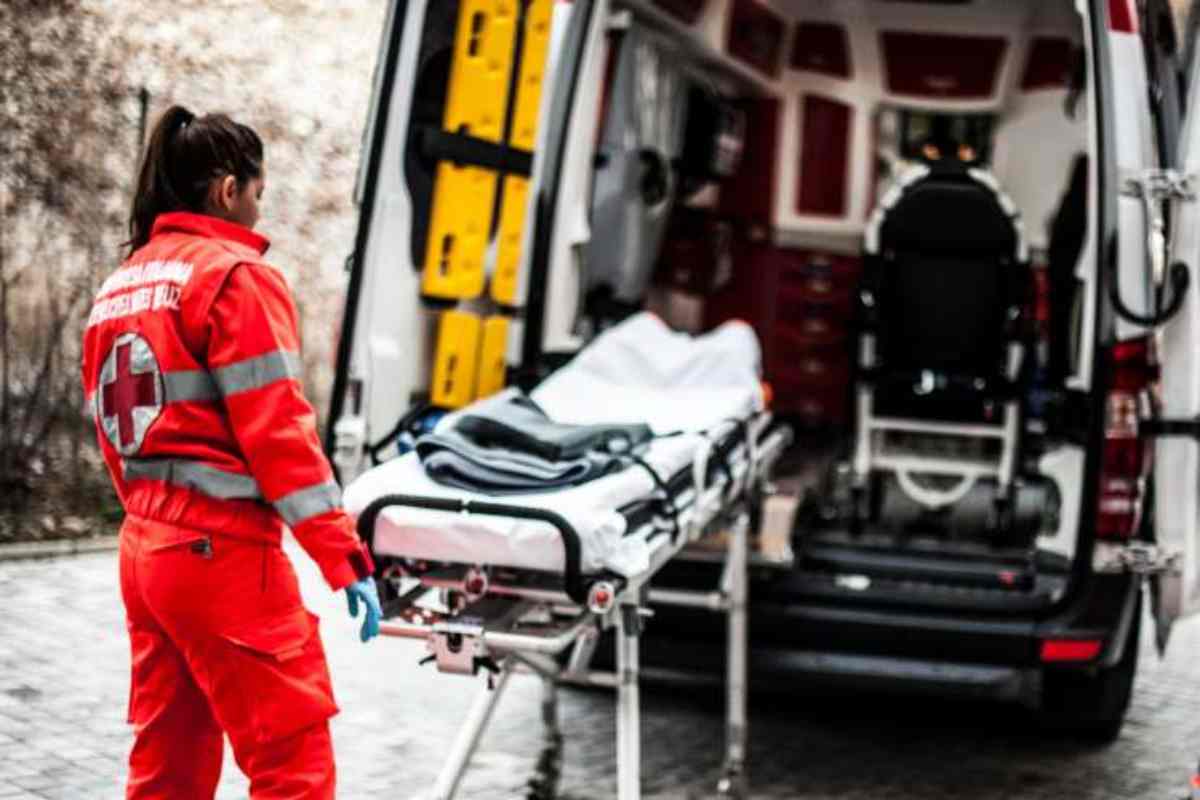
130 395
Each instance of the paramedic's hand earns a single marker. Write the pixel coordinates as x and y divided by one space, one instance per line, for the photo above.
365 591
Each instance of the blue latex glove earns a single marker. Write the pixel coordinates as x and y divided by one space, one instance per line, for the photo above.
365 591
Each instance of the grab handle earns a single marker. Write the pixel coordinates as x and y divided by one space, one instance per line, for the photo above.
573 583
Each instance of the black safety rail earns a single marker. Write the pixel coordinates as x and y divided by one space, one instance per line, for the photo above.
574 584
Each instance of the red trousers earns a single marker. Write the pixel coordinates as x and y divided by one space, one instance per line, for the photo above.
222 644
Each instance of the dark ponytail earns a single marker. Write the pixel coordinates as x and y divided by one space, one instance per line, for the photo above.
185 153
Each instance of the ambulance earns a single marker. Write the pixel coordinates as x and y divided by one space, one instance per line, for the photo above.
966 235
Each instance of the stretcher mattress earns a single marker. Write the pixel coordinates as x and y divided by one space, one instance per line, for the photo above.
639 371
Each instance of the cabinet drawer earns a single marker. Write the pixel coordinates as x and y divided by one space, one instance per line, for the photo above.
797 302
818 275
815 325
814 365
813 405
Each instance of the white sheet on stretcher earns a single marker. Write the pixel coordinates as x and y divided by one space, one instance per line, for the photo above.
639 371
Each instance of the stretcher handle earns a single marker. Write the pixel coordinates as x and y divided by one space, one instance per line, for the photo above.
572 573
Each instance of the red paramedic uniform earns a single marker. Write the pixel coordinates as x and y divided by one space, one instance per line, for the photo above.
191 365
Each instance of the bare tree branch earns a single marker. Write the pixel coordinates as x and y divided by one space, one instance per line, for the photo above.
67 103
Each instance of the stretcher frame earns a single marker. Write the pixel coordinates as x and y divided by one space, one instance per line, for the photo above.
503 621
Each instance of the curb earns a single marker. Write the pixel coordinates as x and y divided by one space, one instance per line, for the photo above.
21 551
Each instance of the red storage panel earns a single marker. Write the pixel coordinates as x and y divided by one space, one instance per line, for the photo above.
1049 65
756 36
750 194
821 47
823 365
752 294
811 381
812 342
800 304
824 156
942 65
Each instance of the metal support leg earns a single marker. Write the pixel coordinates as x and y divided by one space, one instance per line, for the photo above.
861 466
733 777
629 756
468 736
583 651
863 435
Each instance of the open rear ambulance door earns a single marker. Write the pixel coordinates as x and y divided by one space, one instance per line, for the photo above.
436 300
1177 443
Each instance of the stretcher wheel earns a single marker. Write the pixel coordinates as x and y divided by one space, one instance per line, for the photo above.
733 784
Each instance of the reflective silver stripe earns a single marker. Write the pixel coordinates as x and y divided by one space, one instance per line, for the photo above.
191 384
193 475
309 502
257 372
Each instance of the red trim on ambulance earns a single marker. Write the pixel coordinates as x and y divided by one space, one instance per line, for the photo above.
1122 16
824 156
821 47
756 36
941 65
1049 64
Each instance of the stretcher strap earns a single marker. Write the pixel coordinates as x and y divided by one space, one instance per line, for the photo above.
675 485
668 498
573 583
742 429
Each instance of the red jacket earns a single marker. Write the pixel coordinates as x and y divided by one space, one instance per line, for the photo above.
191 365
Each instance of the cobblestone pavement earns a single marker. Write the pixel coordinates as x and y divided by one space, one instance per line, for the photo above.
64 676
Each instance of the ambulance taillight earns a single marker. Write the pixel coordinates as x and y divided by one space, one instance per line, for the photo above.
1126 458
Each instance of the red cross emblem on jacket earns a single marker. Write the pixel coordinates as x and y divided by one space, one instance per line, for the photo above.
130 396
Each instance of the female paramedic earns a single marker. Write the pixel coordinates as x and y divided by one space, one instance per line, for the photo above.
191 364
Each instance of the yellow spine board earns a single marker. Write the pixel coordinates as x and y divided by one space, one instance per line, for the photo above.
492 363
533 68
455 363
476 104
523 137
512 228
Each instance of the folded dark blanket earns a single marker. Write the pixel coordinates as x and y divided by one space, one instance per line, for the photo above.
514 422
507 444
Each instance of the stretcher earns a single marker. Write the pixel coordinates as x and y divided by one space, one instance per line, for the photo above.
497 585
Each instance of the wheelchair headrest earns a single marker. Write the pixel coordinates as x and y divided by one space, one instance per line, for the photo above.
947 210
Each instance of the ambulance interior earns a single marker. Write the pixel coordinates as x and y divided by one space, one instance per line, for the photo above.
895 195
